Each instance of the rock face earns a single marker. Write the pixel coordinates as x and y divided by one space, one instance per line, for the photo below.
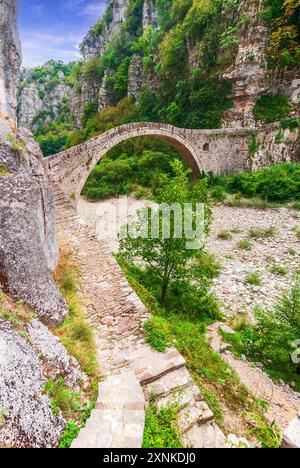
28 247
26 415
247 72
150 17
94 44
44 96
30 105
10 58
30 356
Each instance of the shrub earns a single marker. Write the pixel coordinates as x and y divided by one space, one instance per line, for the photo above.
244 244
278 183
254 279
271 108
261 233
224 235
271 340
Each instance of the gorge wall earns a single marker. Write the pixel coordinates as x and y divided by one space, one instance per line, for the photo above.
232 65
10 61
28 246
30 355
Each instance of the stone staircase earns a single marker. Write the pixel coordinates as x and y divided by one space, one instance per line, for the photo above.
134 372
118 419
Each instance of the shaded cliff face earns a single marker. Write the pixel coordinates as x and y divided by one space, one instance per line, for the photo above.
28 246
10 58
250 72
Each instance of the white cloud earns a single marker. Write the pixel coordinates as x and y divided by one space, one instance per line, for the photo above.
41 46
90 9
94 10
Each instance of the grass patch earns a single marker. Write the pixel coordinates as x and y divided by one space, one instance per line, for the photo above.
279 270
3 171
261 233
17 313
245 244
75 333
160 427
253 279
224 235
296 230
62 398
69 434
296 206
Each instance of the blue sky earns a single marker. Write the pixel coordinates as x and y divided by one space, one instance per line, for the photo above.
52 29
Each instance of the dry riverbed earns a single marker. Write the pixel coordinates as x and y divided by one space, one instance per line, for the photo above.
273 260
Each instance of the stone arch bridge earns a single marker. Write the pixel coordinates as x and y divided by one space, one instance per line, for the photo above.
218 151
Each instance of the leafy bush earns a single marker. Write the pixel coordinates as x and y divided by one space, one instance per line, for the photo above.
271 340
271 108
278 183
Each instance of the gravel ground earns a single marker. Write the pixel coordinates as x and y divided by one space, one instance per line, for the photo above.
282 250
235 294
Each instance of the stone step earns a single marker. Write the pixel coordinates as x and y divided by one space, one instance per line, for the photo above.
149 365
181 397
205 436
118 419
165 385
195 413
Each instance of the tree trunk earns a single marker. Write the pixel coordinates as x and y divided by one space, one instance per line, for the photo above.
164 291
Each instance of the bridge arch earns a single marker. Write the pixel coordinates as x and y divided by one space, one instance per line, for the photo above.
71 168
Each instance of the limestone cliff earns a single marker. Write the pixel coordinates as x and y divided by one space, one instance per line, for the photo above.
30 355
249 72
96 40
44 96
28 246
10 60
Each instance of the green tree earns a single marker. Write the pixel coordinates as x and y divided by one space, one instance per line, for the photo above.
169 256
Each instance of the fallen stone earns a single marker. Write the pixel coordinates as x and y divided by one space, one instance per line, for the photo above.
205 436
